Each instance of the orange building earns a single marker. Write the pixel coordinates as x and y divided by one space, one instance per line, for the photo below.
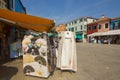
103 24
60 27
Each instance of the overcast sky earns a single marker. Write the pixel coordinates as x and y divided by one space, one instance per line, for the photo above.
63 11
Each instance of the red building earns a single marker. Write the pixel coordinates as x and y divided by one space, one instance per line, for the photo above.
92 27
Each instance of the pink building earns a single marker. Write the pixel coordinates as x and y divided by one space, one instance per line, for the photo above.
103 24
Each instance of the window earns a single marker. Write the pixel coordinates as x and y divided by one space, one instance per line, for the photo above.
72 29
76 28
94 28
106 25
113 25
81 27
89 28
68 29
84 27
116 25
81 20
119 25
85 19
75 22
99 26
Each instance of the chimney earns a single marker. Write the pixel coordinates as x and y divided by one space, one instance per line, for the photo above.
103 16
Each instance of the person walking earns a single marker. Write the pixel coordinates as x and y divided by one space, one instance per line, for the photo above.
109 40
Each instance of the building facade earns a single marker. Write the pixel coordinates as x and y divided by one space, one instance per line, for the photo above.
105 31
4 4
79 26
115 24
8 32
101 25
17 6
92 28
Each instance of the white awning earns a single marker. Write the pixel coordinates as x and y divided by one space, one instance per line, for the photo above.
96 34
111 32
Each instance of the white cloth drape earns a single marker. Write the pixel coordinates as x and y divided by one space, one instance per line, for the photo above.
67 59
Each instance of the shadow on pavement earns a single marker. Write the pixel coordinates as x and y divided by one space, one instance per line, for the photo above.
6 60
7 72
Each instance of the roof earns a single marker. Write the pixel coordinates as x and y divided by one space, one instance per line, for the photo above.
26 21
103 19
81 18
93 23
100 20
116 18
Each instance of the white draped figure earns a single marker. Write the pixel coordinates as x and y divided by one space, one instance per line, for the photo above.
67 59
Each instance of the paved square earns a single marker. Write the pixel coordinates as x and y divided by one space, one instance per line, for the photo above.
95 62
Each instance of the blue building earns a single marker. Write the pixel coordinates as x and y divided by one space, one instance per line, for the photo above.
10 31
115 24
16 5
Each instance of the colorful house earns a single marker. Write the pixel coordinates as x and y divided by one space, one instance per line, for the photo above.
92 27
108 31
60 27
79 26
101 25
115 24
16 5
